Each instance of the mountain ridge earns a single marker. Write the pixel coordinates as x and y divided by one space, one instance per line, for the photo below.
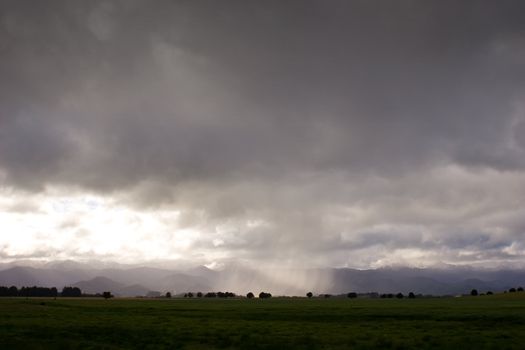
138 280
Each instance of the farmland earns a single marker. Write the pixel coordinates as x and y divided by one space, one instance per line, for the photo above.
484 322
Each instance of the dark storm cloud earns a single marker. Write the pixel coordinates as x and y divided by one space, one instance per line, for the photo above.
288 111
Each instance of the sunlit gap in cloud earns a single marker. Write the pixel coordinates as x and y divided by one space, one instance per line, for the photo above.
61 225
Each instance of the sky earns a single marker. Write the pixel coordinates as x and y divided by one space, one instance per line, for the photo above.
335 133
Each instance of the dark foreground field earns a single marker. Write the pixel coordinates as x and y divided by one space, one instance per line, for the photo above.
485 322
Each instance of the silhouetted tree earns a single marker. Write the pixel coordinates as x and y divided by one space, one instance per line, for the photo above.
489 293
400 295
71 292
309 294
520 289
411 295
190 295
264 295
250 295
512 290
28 292
35 291
107 295
12 291
327 296
352 295
211 295
474 292
199 295
168 295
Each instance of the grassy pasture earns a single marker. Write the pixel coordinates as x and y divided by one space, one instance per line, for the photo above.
484 322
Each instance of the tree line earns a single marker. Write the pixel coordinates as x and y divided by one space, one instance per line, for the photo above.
474 292
262 295
76 292
39 292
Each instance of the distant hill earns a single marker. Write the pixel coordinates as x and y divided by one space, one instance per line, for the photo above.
28 276
23 276
99 284
134 290
424 281
102 284
180 283
146 276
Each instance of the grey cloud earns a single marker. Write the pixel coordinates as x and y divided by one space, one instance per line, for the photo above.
38 254
347 86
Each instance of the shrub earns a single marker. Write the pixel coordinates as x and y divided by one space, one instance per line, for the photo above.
474 292
250 295
309 294
264 295
352 295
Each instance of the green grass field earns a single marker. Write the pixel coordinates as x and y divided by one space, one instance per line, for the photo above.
485 322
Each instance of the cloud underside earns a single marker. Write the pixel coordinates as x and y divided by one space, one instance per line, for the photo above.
341 133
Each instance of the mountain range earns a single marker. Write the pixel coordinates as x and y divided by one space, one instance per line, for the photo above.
123 280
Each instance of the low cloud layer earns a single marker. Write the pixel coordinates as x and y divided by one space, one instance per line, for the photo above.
340 133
